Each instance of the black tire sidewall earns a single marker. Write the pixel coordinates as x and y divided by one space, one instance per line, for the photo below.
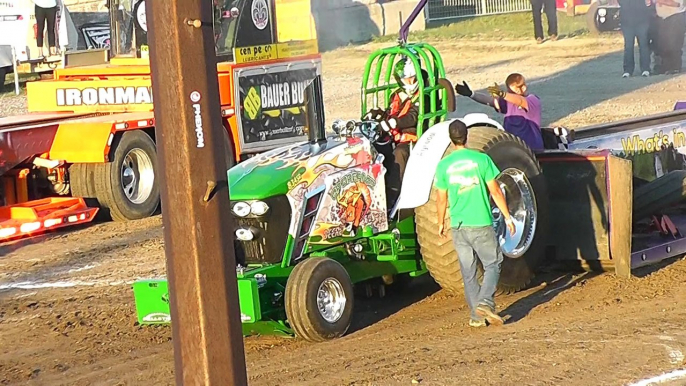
128 141
3 78
311 276
591 15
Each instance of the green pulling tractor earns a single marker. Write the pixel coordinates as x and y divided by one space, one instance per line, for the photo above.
313 219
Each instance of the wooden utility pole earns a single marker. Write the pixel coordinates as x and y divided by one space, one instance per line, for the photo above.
198 228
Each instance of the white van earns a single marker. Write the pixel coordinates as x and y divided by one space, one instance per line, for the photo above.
18 29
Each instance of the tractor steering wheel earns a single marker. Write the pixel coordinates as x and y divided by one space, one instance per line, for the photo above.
373 131
370 129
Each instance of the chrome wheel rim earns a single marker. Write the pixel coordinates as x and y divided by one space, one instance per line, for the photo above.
331 300
137 176
521 203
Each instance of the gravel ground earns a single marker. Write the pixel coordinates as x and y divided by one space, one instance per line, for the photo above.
566 330
11 104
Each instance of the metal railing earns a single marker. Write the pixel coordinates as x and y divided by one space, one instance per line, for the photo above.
455 9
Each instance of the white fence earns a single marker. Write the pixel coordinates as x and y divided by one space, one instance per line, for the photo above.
454 9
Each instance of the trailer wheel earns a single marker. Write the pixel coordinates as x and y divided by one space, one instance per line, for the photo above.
526 192
591 19
659 194
3 78
127 187
82 183
319 299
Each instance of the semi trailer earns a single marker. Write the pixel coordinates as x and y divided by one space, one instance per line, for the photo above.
87 146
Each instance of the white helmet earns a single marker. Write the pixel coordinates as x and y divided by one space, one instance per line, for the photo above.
404 69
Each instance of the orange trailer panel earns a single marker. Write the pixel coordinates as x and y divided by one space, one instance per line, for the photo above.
94 136
92 139
116 68
35 217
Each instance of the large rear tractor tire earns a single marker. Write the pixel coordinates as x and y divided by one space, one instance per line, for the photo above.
319 299
126 188
522 181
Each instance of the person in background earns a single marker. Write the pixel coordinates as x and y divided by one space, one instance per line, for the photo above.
463 181
671 30
550 9
653 38
635 21
522 110
46 11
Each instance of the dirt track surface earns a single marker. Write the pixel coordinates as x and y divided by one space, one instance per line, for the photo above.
67 315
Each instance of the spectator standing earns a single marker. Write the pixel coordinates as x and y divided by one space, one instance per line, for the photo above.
635 18
653 37
463 181
46 11
550 9
671 30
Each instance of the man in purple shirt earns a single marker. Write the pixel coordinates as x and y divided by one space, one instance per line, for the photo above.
522 110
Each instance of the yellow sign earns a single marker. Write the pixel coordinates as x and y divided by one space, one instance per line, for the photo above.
145 51
267 52
255 53
297 48
252 103
90 95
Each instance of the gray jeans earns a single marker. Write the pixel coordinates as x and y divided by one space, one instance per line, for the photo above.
483 241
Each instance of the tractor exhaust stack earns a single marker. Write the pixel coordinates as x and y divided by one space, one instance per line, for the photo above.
316 120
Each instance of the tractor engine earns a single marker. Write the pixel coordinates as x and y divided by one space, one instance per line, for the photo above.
261 229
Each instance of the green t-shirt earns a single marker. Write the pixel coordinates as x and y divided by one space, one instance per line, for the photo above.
464 174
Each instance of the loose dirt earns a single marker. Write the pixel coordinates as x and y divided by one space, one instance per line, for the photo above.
67 315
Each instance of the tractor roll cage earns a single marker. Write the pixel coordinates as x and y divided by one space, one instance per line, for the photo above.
435 81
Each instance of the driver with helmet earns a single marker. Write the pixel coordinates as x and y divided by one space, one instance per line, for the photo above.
400 119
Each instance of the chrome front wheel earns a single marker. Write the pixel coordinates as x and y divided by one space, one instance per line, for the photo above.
331 300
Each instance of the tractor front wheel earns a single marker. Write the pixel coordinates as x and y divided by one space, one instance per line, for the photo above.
319 299
523 184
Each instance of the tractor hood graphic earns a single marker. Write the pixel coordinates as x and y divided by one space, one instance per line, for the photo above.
273 173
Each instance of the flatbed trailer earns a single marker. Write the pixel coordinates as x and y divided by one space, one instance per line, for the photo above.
87 146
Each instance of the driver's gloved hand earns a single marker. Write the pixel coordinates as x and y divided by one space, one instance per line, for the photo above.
389 124
375 114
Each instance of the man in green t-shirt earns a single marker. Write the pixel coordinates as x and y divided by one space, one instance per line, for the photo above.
464 179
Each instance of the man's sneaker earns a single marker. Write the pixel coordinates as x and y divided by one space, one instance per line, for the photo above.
477 323
626 75
489 314
645 74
